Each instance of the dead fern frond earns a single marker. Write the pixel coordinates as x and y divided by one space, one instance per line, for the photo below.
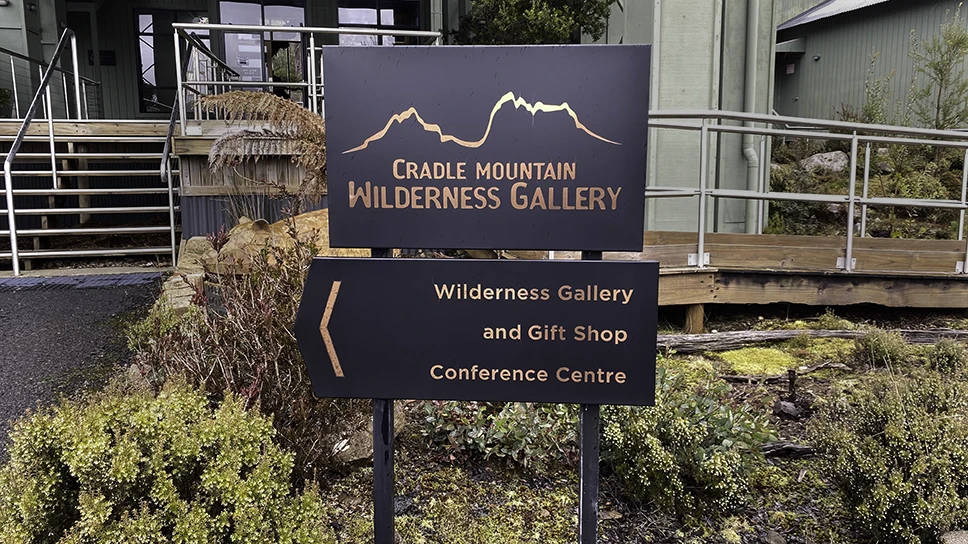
291 130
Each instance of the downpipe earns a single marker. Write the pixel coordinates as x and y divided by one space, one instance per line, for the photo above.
749 145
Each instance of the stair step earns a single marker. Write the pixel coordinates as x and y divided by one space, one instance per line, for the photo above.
78 211
92 173
87 231
107 156
107 252
121 191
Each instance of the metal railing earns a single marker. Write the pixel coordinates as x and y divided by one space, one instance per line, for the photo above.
708 122
81 175
206 74
165 169
83 89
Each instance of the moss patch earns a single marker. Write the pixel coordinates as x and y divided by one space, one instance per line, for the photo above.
759 361
822 350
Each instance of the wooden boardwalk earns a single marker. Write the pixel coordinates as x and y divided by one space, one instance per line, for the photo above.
766 269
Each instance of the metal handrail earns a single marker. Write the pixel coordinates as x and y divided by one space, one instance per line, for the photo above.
67 35
766 119
308 30
313 77
198 44
893 135
42 64
165 169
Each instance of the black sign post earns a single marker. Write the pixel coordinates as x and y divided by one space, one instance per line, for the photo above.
537 147
589 435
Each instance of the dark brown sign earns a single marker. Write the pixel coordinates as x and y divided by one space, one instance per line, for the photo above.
540 331
487 147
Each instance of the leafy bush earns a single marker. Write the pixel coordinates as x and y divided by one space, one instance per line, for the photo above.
883 348
539 436
240 339
949 357
897 448
143 468
691 454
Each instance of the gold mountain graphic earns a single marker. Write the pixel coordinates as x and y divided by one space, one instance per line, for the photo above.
517 102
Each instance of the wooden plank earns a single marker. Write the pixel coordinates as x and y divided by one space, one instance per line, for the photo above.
186 145
774 240
899 244
940 262
773 257
658 237
838 290
677 289
95 128
668 255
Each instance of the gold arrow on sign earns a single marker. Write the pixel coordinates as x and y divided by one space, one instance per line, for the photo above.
324 329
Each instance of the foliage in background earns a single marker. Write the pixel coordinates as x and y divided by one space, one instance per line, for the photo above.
941 100
293 130
134 467
883 348
240 339
950 358
543 437
937 98
512 22
692 453
897 447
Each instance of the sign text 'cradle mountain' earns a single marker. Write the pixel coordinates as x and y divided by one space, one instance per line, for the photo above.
465 329
487 147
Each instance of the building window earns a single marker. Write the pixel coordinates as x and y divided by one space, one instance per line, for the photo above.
266 56
380 14
157 79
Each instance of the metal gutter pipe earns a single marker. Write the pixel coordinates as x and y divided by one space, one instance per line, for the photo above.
749 96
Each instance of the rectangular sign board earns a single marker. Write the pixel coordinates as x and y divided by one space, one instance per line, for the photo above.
538 147
494 330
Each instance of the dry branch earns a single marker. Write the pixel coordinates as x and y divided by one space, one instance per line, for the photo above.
723 341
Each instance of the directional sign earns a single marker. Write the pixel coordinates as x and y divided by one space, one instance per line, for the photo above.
498 330
487 147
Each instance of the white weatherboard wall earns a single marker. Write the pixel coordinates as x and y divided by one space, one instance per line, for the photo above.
698 62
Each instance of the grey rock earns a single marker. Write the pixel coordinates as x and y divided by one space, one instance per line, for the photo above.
955 537
884 163
784 408
835 161
359 445
772 537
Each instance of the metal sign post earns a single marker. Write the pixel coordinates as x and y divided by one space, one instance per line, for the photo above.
589 435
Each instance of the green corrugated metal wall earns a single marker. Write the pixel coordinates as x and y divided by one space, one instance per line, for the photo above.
844 45
699 62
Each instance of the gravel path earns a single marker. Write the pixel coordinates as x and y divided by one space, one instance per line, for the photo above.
59 335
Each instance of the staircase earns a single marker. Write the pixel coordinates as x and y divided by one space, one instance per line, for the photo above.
89 189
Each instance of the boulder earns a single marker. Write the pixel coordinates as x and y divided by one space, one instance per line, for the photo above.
358 445
249 238
883 161
772 537
955 537
835 161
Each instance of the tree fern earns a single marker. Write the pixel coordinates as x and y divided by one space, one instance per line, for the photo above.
291 129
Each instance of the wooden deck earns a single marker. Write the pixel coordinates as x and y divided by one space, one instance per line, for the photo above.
765 269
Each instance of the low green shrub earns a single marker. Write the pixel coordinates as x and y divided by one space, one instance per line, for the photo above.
897 448
135 467
543 437
692 453
239 338
883 348
949 357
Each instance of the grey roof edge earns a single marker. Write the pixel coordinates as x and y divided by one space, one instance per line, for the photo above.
807 16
